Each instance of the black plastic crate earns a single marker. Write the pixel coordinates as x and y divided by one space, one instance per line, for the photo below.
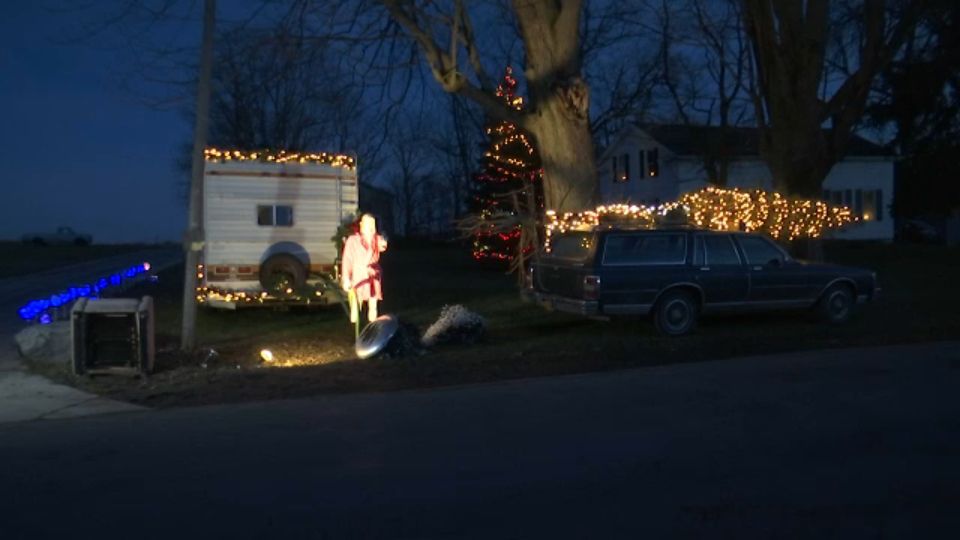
113 336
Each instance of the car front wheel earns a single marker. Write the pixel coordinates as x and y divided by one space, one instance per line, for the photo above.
676 313
836 305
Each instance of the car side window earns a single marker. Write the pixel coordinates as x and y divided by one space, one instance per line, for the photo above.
720 251
759 250
645 249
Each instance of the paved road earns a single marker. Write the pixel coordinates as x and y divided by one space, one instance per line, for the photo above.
24 396
834 444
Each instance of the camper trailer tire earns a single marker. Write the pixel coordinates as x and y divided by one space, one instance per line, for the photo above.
282 272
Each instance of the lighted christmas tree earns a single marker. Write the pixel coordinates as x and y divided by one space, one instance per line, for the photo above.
507 191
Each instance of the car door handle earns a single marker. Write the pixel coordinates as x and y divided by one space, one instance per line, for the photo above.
758 268
704 268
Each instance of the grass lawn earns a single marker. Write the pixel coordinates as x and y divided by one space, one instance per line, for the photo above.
918 303
17 259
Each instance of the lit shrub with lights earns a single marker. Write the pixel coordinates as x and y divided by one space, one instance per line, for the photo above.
781 217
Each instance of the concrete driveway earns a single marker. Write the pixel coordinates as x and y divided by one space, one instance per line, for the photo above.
860 443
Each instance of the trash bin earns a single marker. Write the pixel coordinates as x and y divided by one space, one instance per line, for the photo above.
112 336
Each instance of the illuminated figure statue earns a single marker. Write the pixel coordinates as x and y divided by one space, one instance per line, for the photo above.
360 268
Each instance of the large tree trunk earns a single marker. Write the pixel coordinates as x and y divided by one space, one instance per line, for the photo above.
789 59
558 116
789 42
559 98
566 151
799 162
799 158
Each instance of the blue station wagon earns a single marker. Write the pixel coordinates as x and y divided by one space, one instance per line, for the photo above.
677 275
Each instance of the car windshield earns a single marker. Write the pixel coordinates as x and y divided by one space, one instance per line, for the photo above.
575 245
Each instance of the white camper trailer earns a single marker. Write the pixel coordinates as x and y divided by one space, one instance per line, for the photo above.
269 220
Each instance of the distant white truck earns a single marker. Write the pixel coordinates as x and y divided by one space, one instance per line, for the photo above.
62 236
269 220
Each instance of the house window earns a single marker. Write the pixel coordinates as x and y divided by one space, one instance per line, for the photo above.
270 215
867 204
653 163
641 165
621 168
872 210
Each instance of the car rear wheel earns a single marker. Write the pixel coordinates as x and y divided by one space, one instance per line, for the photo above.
676 313
836 304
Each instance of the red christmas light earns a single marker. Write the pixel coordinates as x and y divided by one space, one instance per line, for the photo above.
510 164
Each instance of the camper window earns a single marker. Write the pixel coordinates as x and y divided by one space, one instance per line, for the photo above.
284 216
264 215
277 216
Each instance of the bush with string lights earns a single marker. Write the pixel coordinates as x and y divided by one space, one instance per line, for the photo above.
781 217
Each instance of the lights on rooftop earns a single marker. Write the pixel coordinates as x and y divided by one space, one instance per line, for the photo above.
216 155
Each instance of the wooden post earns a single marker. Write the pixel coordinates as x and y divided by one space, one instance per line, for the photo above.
193 241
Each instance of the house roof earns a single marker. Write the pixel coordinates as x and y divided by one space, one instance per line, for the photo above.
685 140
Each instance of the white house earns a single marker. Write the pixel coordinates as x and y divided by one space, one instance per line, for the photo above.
656 163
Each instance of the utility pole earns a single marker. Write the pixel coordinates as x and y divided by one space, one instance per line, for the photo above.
193 240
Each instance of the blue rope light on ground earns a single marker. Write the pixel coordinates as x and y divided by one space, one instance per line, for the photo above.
38 310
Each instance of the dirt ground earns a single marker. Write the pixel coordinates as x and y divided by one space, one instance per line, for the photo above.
313 348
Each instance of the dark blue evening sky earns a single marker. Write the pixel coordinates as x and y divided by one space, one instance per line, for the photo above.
76 149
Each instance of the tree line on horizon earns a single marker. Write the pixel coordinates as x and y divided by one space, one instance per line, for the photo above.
408 87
